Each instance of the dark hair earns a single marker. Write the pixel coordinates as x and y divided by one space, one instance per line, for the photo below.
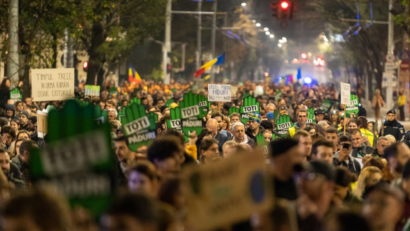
177 134
392 150
137 206
344 139
16 121
33 119
344 177
144 98
331 130
146 168
266 124
312 126
353 121
362 122
168 189
214 104
321 142
349 221
163 148
122 139
373 161
217 114
406 170
160 99
9 130
3 84
226 106
205 132
206 144
27 145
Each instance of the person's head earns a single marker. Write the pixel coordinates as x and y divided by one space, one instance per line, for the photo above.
370 126
143 178
323 150
24 117
235 117
302 116
226 124
331 135
5 84
319 114
383 206
305 142
285 157
317 181
391 115
25 149
36 210
382 143
352 125
15 124
271 107
254 121
229 148
397 155
209 150
165 153
18 144
312 129
112 114
212 126
131 212
219 118
238 131
160 102
391 139
4 162
267 135
19 106
110 104
323 126
9 110
343 178
406 179
345 144
362 122
368 177
214 107
357 138
8 134
122 151
29 101
23 135
32 123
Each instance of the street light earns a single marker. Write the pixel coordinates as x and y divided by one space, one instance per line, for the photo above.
272 36
267 33
284 39
304 56
243 4
258 24
279 45
266 29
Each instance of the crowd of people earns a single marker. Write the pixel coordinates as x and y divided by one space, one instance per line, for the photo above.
331 172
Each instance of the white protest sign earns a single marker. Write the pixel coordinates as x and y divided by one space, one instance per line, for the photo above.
219 93
227 191
137 125
52 84
345 93
175 124
190 111
249 109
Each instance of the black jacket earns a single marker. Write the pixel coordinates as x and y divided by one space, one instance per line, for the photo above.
362 151
352 164
406 138
250 134
4 96
221 138
393 128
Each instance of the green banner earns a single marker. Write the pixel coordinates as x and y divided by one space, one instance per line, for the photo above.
353 108
15 94
92 90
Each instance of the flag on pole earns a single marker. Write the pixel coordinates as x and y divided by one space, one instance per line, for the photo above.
133 75
217 61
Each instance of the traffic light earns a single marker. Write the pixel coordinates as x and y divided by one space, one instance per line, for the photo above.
275 10
85 66
169 68
284 9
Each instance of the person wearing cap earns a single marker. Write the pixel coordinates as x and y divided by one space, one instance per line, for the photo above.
285 159
319 114
24 120
392 126
254 126
316 191
383 206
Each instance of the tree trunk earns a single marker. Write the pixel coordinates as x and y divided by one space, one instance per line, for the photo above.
95 62
55 51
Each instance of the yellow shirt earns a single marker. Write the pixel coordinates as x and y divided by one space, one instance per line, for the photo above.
368 134
402 100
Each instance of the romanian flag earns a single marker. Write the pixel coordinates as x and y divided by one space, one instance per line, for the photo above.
217 61
133 75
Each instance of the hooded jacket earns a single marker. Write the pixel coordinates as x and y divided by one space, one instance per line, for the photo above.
11 107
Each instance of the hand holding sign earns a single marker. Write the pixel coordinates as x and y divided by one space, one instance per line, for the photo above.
353 107
311 116
191 115
283 123
249 105
175 121
15 94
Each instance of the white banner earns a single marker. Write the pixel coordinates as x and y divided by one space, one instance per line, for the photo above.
52 84
219 93
345 93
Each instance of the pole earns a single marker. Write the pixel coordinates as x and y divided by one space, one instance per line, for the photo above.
390 47
13 57
344 122
214 38
199 37
225 25
168 18
68 50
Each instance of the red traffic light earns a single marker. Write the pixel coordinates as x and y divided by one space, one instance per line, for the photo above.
284 5
85 64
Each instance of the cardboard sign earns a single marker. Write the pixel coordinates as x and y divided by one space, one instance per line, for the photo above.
345 93
52 84
219 93
190 114
92 90
283 123
15 94
227 191
353 107
234 90
41 123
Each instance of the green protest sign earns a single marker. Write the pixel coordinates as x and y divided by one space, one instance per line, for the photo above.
234 110
249 106
353 108
168 103
77 159
283 124
175 122
311 116
135 100
203 104
138 126
326 105
274 136
278 95
92 90
15 94
82 103
191 115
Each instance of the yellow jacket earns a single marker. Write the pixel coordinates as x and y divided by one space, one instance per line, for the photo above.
370 136
401 100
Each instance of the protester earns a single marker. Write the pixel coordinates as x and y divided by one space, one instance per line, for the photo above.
24 115
305 143
239 136
397 155
319 114
343 156
382 143
212 125
331 135
302 117
254 126
125 158
322 150
359 147
209 151
22 160
10 170
401 101
343 196
229 148
143 178
368 177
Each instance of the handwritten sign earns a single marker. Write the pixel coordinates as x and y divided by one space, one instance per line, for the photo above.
227 191
92 90
52 84
345 93
219 93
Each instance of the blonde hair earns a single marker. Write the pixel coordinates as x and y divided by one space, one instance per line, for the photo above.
363 177
391 139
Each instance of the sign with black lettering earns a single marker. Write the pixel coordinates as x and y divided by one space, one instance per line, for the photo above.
203 104
137 125
219 93
227 191
190 111
249 109
175 123
52 84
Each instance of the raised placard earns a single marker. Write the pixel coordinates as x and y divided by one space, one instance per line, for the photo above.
52 84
